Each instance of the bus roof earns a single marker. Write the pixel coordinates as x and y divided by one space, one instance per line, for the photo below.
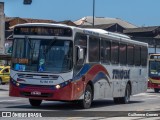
119 36
101 32
43 24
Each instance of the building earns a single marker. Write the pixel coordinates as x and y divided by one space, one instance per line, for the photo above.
113 27
3 57
12 21
2 27
67 22
103 21
150 35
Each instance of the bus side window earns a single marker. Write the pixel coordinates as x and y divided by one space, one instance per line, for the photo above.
137 54
80 42
94 51
122 54
115 53
105 51
144 56
130 55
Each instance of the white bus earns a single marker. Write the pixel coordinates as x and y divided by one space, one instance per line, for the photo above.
65 63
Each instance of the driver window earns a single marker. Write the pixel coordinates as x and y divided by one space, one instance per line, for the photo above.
81 41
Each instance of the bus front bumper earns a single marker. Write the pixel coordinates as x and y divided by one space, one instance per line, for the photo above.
153 85
41 92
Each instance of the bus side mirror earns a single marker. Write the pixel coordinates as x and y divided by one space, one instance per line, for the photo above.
80 53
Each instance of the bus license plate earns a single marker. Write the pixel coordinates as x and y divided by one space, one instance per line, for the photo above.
35 93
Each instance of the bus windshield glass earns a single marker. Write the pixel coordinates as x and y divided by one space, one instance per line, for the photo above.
42 55
154 69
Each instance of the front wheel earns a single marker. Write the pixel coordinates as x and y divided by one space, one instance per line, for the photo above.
156 90
0 81
34 102
88 97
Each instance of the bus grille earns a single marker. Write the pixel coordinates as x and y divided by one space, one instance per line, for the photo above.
44 87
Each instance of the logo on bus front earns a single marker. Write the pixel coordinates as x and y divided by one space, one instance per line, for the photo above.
121 74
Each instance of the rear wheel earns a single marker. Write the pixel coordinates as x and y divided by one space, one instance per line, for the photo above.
0 81
34 102
156 90
87 100
117 100
126 98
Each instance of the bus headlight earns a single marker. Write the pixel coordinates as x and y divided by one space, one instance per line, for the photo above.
58 86
17 84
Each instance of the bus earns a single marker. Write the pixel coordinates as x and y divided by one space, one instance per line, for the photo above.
55 62
154 72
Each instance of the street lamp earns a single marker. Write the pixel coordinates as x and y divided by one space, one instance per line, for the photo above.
27 2
93 11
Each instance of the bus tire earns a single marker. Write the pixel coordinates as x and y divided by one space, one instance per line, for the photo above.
156 90
87 100
0 81
126 98
117 100
34 102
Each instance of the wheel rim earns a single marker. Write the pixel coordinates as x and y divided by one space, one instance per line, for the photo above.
88 97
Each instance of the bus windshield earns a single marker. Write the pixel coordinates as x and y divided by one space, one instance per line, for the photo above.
154 69
42 55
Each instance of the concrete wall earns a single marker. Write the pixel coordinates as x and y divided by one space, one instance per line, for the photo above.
2 28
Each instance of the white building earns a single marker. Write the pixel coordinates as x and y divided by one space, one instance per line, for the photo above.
2 27
88 20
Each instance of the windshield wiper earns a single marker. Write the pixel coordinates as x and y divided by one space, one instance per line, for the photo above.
28 41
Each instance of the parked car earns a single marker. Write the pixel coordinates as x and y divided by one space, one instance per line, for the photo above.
4 74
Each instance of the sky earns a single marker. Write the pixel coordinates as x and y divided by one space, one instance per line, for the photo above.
137 12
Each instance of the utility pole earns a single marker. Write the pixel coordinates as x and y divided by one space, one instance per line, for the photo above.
93 11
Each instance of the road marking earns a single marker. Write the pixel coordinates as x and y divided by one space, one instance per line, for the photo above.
148 99
10 100
140 94
147 95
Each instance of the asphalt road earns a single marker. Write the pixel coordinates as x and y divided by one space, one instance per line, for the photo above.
143 103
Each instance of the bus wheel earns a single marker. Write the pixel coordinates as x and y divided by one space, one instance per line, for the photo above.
34 102
0 81
156 90
126 98
117 100
87 100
